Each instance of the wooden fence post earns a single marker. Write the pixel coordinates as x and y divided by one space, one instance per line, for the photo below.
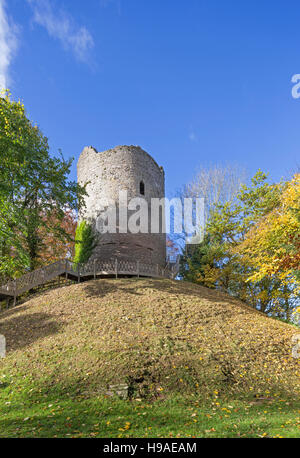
116 267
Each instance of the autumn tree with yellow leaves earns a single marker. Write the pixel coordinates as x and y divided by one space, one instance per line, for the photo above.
251 247
272 246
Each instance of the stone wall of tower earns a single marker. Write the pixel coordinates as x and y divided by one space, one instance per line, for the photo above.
108 172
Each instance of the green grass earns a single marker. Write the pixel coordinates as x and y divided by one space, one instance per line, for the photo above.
29 412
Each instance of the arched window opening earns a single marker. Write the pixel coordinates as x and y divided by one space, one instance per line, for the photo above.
142 188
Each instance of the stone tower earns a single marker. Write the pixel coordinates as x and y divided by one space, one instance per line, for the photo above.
128 168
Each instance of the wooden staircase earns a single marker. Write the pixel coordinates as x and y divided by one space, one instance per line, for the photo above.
91 269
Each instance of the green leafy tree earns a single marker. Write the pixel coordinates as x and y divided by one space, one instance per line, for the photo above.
85 242
33 185
196 260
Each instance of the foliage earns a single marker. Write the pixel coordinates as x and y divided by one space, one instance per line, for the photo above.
59 243
273 244
34 186
252 246
85 242
197 260
272 248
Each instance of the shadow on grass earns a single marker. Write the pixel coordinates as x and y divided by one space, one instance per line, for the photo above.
102 287
4 313
21 331
179 289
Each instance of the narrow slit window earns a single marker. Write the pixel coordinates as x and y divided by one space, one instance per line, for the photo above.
142 188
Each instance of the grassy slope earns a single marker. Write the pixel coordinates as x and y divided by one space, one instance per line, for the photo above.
188 353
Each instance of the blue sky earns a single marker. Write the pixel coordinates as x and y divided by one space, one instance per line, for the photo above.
192 82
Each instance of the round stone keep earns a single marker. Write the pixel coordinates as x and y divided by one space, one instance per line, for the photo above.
106 173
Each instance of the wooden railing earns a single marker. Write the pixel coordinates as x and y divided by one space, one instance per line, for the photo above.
33 279
93 268
99 267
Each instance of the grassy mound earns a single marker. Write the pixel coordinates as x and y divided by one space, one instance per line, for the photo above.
160 337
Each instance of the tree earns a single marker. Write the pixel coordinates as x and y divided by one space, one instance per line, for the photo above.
85 242
231 257
197 260
229 225
272 247
33 187
217 185
57 247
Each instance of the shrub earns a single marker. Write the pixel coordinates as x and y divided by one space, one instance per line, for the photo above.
85 242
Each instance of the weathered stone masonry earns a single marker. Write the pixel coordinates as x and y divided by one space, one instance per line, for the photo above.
122 168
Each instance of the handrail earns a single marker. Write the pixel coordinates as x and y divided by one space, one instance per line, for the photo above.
94 267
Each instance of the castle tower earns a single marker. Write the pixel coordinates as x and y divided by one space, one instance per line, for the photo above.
126 168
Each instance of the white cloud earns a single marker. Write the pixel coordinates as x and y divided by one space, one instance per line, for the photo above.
8 45
60 25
